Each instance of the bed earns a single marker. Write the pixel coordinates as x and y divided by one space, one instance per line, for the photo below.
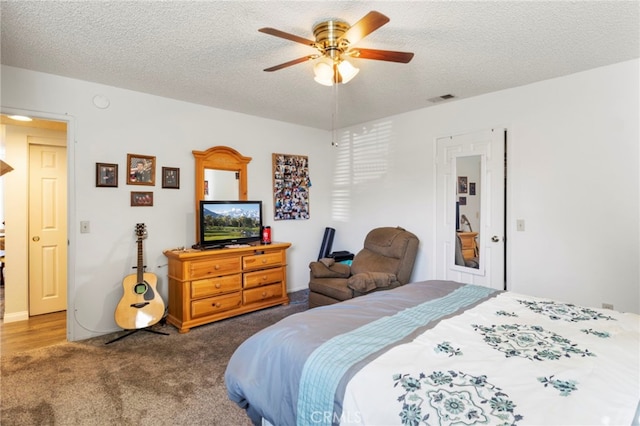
442 353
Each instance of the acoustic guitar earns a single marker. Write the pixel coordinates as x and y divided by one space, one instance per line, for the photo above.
140 306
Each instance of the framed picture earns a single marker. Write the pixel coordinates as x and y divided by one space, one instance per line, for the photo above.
472 188
107 175
171 177
141 169
141 199
462 201
462 184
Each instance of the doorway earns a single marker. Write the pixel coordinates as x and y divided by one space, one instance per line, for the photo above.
50 131
470 208
47 226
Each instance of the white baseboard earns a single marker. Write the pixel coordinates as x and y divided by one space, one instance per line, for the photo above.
15 317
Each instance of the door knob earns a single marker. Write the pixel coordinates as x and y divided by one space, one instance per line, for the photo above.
495 239
36 238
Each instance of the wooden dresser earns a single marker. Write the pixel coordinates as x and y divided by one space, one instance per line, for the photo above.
469 245
211 285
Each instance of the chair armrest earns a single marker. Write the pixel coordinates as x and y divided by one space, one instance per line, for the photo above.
328 269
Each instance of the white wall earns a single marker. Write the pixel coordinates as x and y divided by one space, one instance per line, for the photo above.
573 161
170 130
573 177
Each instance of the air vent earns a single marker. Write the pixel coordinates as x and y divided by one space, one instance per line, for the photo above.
441 98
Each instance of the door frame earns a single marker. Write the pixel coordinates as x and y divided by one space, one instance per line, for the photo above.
71 202
506 258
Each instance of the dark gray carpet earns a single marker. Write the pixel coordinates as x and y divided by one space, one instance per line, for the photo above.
144 379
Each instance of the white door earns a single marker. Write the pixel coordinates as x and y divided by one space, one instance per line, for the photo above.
470 183
47 229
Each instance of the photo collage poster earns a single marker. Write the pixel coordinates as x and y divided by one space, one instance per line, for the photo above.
291 185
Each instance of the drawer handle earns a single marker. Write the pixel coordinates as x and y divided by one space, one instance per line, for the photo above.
264 260
218 285
264 277
216 305
216 267
264 294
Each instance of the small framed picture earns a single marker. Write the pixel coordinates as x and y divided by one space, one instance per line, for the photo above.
462 184
171 177
462 201
141 199
107 175
142 169
472 188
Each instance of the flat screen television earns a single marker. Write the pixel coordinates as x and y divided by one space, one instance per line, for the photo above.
224 223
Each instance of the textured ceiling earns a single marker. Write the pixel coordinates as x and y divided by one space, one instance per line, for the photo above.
211 53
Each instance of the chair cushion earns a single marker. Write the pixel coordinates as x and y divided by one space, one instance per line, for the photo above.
335 288
367 281
368 261
388 241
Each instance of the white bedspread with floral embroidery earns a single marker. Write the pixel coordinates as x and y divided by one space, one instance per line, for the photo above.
442 353
510 360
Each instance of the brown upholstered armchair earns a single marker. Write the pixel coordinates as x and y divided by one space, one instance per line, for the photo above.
385 262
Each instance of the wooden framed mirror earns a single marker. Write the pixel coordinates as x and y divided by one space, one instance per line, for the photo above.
221 174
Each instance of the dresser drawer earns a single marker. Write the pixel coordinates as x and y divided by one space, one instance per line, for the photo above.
217 285
262 260
468 253
263 293
259 278
213 305
214 267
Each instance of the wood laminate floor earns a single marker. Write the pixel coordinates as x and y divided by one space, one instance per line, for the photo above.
36 332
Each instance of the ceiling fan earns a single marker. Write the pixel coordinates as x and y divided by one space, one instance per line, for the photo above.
334 41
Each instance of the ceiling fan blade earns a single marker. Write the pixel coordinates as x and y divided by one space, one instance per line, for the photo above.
365 26
382 55
294 62
282 34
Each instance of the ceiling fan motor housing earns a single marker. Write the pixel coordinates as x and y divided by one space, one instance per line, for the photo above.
328 35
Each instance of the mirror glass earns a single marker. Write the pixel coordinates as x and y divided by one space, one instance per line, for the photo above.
468 209
221 174
221 185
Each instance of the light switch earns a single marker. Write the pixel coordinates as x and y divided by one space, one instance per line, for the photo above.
520 224
84 227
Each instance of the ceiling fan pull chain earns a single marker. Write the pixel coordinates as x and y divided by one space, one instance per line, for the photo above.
334 115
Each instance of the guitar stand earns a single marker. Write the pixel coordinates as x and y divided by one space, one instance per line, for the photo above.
147 329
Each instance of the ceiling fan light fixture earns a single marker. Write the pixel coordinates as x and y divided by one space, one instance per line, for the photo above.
323 71
347 71
328 74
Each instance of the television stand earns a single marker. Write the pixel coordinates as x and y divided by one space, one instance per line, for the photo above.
214 247
211 247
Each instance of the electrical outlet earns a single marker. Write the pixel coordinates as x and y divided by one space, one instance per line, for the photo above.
520 224
84 227
607 306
